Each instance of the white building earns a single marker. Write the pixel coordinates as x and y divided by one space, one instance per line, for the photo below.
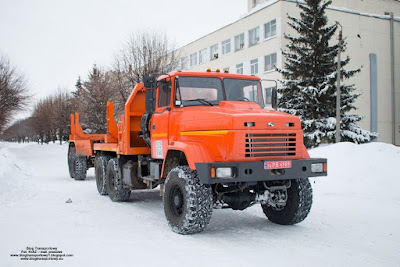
253 45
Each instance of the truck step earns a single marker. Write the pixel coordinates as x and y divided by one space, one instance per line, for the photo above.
150 178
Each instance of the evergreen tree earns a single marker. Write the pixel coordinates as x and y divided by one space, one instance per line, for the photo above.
309 79
90 100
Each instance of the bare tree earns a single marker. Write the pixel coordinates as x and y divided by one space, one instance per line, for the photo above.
19 131
13 91
62 107
50 121
42 123
145 53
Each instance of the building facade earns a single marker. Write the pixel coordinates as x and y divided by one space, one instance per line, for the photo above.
254 43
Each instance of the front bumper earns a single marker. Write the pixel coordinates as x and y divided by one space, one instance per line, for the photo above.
255 171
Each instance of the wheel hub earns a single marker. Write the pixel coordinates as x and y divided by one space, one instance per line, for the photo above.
176 201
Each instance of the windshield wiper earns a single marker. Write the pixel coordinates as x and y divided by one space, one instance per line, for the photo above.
201 100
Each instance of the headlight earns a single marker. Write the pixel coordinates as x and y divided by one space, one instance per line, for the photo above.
317 167
225 172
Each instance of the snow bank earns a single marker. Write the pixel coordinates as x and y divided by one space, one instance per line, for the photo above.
14 178
353 221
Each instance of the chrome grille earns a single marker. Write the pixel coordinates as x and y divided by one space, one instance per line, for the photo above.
270 144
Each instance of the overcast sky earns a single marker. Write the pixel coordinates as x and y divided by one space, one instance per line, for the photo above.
53 41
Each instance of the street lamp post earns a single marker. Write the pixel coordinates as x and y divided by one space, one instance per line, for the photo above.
338 86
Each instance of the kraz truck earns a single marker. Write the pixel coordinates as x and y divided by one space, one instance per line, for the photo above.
209 141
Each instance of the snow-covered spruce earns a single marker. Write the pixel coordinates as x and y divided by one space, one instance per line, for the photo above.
309 79
298 205
100 166
187 203
115 189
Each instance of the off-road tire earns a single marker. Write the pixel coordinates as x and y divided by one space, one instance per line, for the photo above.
80 168
71 159
187 203
297 207
100 169
77 165
115 189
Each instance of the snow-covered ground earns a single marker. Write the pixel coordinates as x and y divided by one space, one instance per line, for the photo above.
354 220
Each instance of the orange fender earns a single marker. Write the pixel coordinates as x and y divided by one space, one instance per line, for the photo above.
194 152
84 147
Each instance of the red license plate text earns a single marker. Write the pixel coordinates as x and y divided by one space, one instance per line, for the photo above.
284 164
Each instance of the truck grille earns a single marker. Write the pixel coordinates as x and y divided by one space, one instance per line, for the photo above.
270 145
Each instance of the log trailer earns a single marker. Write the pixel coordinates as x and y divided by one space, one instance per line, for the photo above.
209 141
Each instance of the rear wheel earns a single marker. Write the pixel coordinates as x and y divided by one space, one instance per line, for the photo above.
77 165
115 189
187 203
80 167
100 167
298 204
71 159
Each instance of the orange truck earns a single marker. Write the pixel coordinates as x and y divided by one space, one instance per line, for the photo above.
209 140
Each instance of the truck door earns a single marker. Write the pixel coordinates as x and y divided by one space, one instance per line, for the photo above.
160 121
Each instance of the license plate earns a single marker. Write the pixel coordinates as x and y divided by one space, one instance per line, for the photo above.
284 164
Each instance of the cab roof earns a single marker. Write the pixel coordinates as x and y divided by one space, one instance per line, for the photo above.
221 75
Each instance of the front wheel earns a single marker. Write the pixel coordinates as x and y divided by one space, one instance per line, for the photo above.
187 203
298 204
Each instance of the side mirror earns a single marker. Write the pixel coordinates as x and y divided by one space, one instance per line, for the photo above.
274 98
274 93
149 82
150 100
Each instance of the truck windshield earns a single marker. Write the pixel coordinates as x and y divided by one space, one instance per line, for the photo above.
243 90
194 91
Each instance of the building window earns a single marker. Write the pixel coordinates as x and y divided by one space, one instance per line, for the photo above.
203 56
226 46
193 59
254 36
239 68
270 62
184 63
214 52
255 2
270 29
239 41
254 66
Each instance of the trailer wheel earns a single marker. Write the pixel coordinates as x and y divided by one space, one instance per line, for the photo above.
77 165
115 189
187 203
71 159
80 168
100 168
298 205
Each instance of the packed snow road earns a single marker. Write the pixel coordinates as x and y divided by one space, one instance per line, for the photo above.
353 222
